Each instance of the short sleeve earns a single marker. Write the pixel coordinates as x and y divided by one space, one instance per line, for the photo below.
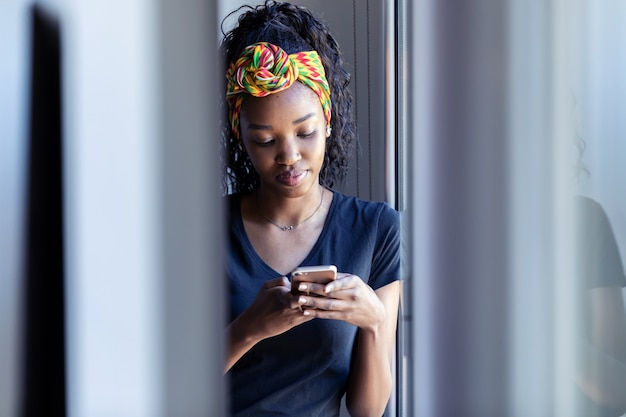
598 255
386 258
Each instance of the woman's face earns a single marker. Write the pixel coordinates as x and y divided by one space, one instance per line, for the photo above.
285 137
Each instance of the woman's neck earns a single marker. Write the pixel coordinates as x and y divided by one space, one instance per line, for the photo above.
288 213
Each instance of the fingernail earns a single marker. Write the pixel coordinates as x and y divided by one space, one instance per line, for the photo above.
302 287
302 300
328 288
306 313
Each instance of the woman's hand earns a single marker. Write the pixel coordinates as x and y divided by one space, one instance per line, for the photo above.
274 311
347 298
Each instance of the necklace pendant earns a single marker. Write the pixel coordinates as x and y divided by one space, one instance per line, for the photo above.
286 228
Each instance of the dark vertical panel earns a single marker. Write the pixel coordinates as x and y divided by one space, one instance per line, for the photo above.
44 367
374 107
360 81
369 84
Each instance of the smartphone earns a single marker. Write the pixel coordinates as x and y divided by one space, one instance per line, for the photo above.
320 274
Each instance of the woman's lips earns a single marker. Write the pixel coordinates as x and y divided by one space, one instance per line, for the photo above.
291 178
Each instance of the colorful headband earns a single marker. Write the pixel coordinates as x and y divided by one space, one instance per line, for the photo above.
264 69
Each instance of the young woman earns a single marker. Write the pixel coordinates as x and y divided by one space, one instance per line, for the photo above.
288 133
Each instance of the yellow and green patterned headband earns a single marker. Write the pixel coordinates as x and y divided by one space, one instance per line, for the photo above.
264 69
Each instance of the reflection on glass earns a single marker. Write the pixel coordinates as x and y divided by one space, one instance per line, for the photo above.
601 369
599 62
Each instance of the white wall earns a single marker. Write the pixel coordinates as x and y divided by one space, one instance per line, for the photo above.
145 304
111 125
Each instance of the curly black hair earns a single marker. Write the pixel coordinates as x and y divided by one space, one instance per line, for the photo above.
294 28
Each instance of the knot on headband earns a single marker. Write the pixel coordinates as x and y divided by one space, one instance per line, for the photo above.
264 69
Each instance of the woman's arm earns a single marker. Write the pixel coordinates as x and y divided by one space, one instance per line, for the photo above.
602 371
375 313
273 311
371 375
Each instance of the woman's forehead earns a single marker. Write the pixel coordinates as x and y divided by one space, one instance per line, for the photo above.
296 99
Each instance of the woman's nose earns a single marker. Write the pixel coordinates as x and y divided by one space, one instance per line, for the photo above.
288 154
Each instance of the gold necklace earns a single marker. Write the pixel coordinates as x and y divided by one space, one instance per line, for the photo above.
293 226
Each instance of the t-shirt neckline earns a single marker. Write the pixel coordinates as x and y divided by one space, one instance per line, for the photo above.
249 248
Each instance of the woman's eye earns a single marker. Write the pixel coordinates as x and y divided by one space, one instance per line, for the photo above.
308 134
265 142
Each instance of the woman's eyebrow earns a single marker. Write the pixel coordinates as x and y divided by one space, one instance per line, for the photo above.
303 118
259 127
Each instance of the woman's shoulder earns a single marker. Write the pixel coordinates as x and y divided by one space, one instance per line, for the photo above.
371 210
352 201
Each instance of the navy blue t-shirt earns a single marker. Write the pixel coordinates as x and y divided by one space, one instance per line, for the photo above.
304 371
